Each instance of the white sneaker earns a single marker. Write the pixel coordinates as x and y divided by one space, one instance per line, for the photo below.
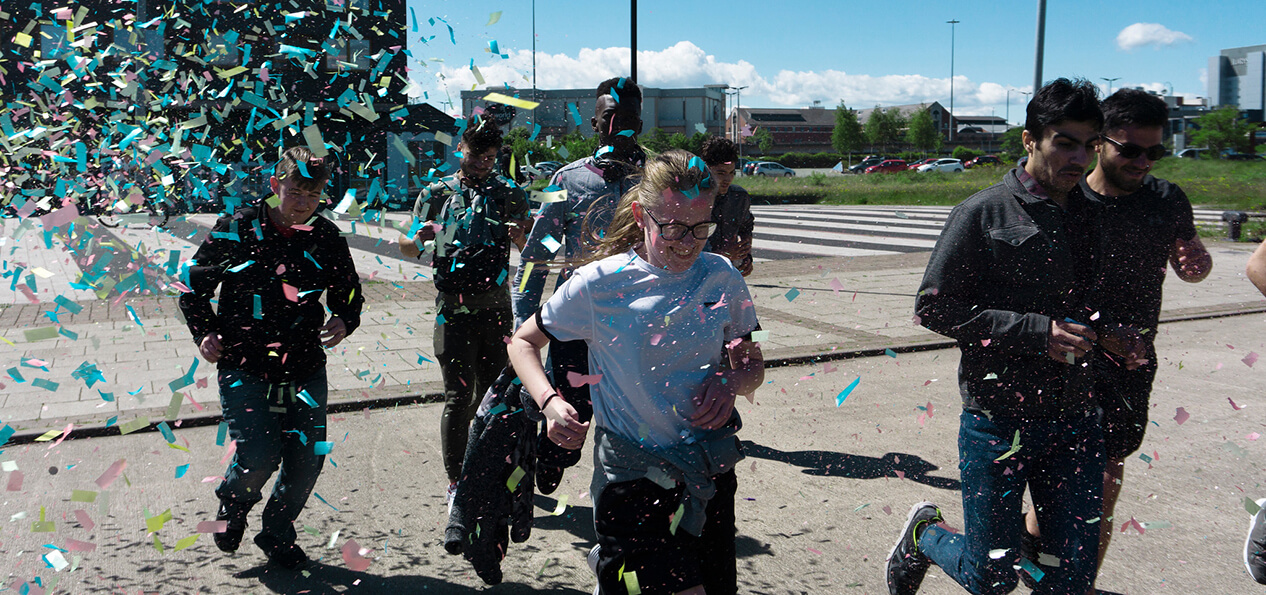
593 566
451 495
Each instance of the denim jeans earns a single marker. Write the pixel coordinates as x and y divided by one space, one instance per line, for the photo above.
273 428
1061 461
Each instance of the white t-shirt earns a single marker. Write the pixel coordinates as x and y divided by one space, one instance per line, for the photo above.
654 336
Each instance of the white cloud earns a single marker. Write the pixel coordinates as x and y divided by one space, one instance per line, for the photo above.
685 64
1143 34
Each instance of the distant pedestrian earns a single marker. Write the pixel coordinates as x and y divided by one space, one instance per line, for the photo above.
732 210
594 185
271 264
1146 224
655 312
475 214
1011 280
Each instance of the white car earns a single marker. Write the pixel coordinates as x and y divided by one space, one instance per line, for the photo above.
769 168
946 164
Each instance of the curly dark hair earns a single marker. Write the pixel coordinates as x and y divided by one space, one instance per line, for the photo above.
1134 106
717 150
483 135
1061 100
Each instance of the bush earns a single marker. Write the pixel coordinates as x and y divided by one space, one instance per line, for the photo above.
806 159
817 178
963 153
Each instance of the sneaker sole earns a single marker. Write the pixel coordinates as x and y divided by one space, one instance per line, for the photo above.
1248 541
906 527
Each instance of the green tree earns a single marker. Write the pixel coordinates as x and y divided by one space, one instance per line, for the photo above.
883 127
922 131
847 136
679 141
656 140
764 140
1013 144
1223 129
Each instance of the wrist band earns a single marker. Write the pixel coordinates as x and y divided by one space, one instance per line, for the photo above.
547 399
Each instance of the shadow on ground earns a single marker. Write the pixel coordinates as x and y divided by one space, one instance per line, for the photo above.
323 579
838 464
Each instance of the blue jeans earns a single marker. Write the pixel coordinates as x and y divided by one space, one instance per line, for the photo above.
1061 461
273 428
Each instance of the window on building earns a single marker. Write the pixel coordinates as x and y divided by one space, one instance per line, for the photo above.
53 42
349 54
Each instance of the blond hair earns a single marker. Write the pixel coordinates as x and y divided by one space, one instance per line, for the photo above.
674 170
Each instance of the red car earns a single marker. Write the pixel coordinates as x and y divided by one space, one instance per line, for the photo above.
916 164
887 166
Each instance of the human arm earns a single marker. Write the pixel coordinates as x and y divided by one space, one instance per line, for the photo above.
746 372
1256 269
1191 260
411 246
562 423
526 295
343 297
519 217
204 273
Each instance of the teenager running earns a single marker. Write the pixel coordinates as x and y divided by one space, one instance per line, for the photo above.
655 313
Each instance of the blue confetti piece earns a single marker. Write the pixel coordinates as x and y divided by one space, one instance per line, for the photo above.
166 431
890 353
70 306
259 307
45 384
421 359
1032 569
536 129
135 318
306 398
221 432
318 497
575 113
492 46
839 399
322 448
239 268
181 470
6 433
105 396
414 17
793 294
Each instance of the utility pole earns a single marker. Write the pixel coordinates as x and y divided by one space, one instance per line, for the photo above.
951 109
1110 81
633 39
1041 41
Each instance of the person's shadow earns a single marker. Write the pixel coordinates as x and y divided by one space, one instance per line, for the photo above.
838 464
323 579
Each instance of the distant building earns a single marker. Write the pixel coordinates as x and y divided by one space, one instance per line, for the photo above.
1238 77
685 111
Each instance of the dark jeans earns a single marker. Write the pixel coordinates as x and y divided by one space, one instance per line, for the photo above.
633 521
1061 461
471 349
566 356
274 429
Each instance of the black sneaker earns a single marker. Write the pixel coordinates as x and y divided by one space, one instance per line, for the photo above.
547 478
1030 549
285 555
235 514
1255 545
906 564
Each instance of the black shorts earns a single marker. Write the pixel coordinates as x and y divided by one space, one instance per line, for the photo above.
632 521
1124 395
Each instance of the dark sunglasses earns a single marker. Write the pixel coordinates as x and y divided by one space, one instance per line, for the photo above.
1132 151
676 231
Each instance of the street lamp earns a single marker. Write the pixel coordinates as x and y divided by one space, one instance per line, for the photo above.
1009 92
738 103
1110 81
951 109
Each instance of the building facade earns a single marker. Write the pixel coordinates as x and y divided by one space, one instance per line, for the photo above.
561 111
1238 77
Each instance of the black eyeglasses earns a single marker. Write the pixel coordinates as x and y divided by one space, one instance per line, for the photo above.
676 231
1132 151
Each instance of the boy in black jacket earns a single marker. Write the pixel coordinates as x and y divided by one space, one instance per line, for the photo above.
271 263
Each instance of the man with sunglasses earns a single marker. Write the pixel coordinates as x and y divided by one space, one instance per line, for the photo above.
1146 223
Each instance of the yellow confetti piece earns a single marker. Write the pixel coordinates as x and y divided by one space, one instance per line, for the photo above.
515 477
444 138
24 40
42 272
228 74
186 542
630 583
43 526
492 18
548 197
134 425
156 522
1015 447
562 505
49 435
515 101
479 77
672 527
177 447
40 334
316 143
83 496
158 545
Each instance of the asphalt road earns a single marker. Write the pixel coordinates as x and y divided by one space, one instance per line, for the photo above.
822 493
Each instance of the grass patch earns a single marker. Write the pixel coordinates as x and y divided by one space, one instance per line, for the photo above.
1209 183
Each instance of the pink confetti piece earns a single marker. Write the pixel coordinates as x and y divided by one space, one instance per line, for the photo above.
1132 523
814 551
887 510
213 526
1182 416
111 473
15 481
1250 359
656 338
228 452
292 292
196 405
353 557
1253 436
212 478
202 382
930 410
985 342
65 433
827 368
84 520
75 545
1233 405
837 286
576 379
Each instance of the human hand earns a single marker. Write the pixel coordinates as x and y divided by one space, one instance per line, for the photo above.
425 233
1191 260
211 348
333 332
1127 343
1069 337
562 424
714 403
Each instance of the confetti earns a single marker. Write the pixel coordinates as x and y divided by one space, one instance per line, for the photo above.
353 556
839 399
1181 416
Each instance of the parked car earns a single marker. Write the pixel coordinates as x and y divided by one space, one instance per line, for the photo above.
865 163
769 168
750 167
1242 157
982 160
1192 153
887 166
945 164
920 163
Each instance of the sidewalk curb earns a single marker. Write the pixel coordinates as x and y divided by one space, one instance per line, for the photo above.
101 431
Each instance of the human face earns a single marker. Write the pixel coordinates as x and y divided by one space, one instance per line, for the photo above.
1059 159
477 166
675 256
1124 175
723 173
611 117
298 203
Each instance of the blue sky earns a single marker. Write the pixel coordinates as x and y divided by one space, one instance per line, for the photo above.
793 52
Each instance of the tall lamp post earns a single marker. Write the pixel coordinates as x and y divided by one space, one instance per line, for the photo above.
738 103
1110 81
951 109
1009 92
